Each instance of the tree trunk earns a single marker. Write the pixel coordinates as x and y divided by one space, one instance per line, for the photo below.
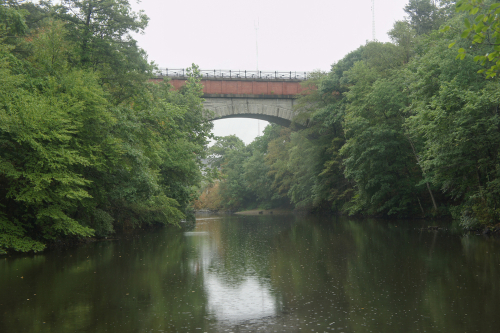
86 34
423 173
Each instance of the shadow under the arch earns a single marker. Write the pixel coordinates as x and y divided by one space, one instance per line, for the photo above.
271 119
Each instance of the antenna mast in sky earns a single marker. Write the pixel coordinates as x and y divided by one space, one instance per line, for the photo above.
256 26
373 20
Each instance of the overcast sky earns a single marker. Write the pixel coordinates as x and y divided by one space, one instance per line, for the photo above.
292 36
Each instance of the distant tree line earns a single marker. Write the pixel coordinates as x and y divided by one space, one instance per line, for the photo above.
87 145
409 128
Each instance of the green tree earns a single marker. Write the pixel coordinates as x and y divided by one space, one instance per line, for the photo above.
40 184
403 35
162 138
258 180
424 15
79 157
484 29
101 31
12 20
234 190
221 148
277 159
453 114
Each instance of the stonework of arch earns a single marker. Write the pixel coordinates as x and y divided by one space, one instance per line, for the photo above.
275 110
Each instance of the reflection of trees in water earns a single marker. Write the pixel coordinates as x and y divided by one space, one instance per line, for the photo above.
385 276
308 267
323 273
122 285
403 279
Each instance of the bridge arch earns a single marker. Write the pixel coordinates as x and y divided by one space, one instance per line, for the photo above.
274 110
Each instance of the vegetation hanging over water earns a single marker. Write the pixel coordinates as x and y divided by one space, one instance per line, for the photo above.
87 145
406 128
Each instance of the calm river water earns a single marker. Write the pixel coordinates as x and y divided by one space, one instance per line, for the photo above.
260 274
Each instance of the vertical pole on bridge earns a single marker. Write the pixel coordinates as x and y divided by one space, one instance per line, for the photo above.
256 26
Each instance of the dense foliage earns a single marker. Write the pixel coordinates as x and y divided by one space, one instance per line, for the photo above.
87 145
406 128
484 28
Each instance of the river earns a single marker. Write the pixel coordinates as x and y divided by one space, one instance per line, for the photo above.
281 273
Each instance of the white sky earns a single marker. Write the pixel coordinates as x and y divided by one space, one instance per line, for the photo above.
292 36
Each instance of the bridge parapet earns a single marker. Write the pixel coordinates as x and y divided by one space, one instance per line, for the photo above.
237 75
256 88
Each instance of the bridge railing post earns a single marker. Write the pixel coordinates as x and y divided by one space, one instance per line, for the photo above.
238 74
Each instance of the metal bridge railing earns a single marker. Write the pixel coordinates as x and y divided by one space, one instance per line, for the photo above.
217 73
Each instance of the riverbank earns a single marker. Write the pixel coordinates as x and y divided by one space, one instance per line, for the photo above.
265 212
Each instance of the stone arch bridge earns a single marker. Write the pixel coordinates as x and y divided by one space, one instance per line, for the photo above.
268 96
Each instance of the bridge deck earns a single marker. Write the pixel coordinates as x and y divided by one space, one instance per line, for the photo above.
238 87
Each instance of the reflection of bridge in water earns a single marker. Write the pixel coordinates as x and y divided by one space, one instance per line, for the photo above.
261 95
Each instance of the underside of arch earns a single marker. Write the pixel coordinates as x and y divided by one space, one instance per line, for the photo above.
271 119
274 110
